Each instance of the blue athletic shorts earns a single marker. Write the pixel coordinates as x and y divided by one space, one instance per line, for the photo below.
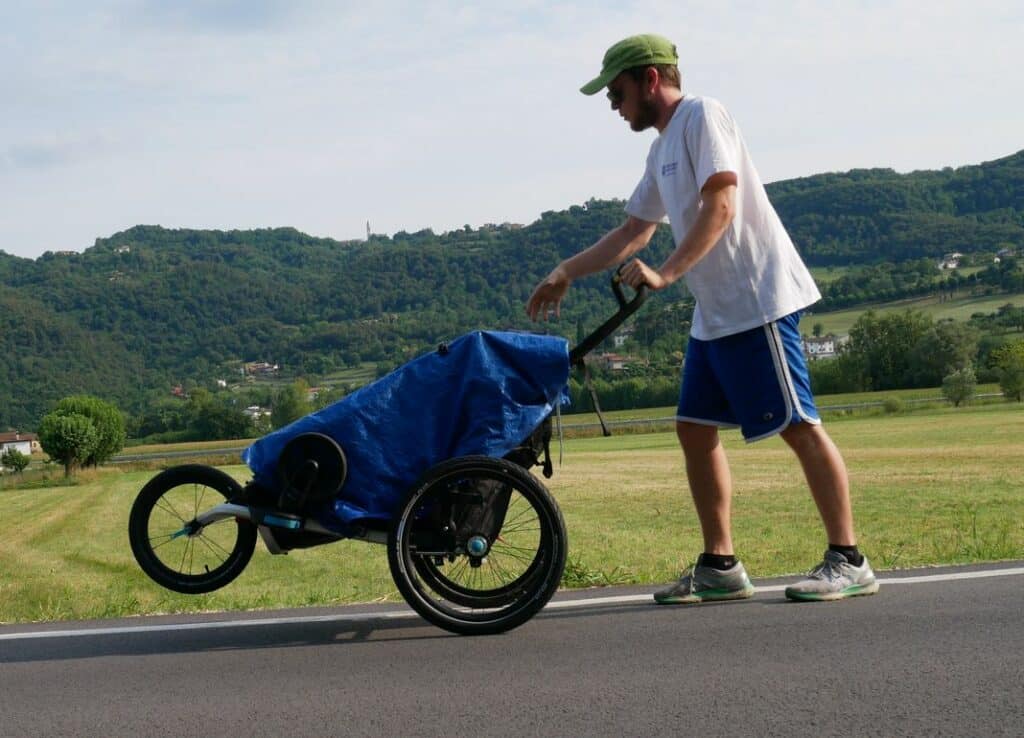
756 380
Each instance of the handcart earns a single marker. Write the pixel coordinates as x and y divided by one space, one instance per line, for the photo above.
431 460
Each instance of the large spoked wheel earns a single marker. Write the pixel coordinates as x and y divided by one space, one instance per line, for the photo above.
479 546
172 548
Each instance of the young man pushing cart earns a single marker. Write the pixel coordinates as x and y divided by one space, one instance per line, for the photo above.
744 363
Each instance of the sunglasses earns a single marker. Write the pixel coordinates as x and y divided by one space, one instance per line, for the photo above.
616 96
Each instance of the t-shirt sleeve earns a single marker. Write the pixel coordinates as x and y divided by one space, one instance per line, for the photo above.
645 202
711 141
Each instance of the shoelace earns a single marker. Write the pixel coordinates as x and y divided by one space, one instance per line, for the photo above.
827 569
687 577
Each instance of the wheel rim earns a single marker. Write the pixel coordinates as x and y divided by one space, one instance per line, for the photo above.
177 543
459 585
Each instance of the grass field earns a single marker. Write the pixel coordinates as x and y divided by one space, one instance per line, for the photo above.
355 376
839 322
936 487
824 275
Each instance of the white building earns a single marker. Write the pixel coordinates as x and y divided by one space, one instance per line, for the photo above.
24 443
822 347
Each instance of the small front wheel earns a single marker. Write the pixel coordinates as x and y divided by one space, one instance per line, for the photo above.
479 546
172 548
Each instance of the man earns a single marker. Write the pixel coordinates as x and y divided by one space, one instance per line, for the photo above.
744 364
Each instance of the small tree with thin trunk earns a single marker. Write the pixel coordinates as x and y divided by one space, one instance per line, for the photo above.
1009 361
69 439
960 386
107 420
14 459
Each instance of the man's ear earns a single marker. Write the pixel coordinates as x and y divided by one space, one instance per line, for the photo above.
652 78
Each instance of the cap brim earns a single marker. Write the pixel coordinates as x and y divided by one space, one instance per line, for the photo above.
598 83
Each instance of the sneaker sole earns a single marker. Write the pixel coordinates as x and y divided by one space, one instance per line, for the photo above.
710 595
857 590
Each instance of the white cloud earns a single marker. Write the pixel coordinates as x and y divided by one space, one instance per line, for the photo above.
320 115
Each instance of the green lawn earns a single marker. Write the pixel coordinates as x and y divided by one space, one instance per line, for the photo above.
824 402
839 322
935 487
356 376
824 275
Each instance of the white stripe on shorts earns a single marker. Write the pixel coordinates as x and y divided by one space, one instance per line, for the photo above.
785 378
778 352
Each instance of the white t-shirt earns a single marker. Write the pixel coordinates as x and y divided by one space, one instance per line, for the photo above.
753 275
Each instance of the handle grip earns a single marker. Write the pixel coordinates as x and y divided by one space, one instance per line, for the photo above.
626 308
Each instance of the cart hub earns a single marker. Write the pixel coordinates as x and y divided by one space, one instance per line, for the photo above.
477 546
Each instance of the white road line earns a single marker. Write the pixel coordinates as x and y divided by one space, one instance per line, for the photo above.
399 615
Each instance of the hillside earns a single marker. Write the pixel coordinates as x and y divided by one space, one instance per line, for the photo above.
149 307
876 214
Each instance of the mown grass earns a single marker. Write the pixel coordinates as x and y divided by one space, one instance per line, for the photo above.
962 308
832 406
936 487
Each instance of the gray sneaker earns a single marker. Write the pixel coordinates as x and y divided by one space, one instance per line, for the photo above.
705 584
835 578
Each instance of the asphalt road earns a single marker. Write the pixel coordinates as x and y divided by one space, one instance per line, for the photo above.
937 652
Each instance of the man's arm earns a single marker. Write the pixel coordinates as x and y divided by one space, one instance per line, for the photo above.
613 248
718 207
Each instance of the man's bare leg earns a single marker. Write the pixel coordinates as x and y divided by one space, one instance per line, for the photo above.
707 470
718 575
826 475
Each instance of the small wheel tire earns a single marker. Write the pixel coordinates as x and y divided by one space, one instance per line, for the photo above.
486 595
165 507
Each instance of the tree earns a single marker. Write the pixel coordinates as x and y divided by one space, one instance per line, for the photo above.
290 404
107 420
944 348
845 373
884 345
959 387
215 417
69 439
1009 362
14 459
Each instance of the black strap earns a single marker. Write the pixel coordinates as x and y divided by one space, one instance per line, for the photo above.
549 468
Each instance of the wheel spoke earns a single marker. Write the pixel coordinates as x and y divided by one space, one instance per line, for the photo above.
170 545
215 547
164 504
515 576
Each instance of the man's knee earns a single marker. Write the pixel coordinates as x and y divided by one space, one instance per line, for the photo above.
696 437
804 436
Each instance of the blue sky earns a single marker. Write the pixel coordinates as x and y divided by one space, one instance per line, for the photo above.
323 116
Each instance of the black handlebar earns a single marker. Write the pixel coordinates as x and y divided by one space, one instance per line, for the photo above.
626 308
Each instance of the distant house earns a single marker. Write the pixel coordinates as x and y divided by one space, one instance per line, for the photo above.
261 368
614 362
951 260
1003 254
24 443
623 335
822 347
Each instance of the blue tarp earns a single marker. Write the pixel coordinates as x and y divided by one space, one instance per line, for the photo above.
484 395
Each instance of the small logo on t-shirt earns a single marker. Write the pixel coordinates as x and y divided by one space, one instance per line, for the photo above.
667 170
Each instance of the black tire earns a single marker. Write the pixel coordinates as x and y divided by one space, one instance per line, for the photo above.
189 562
489 499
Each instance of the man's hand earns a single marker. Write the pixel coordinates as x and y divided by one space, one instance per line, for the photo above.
548 295
636 273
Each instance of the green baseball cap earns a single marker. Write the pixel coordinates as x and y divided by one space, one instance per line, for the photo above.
635 51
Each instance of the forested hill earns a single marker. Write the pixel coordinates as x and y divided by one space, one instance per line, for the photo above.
150 307
868 215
